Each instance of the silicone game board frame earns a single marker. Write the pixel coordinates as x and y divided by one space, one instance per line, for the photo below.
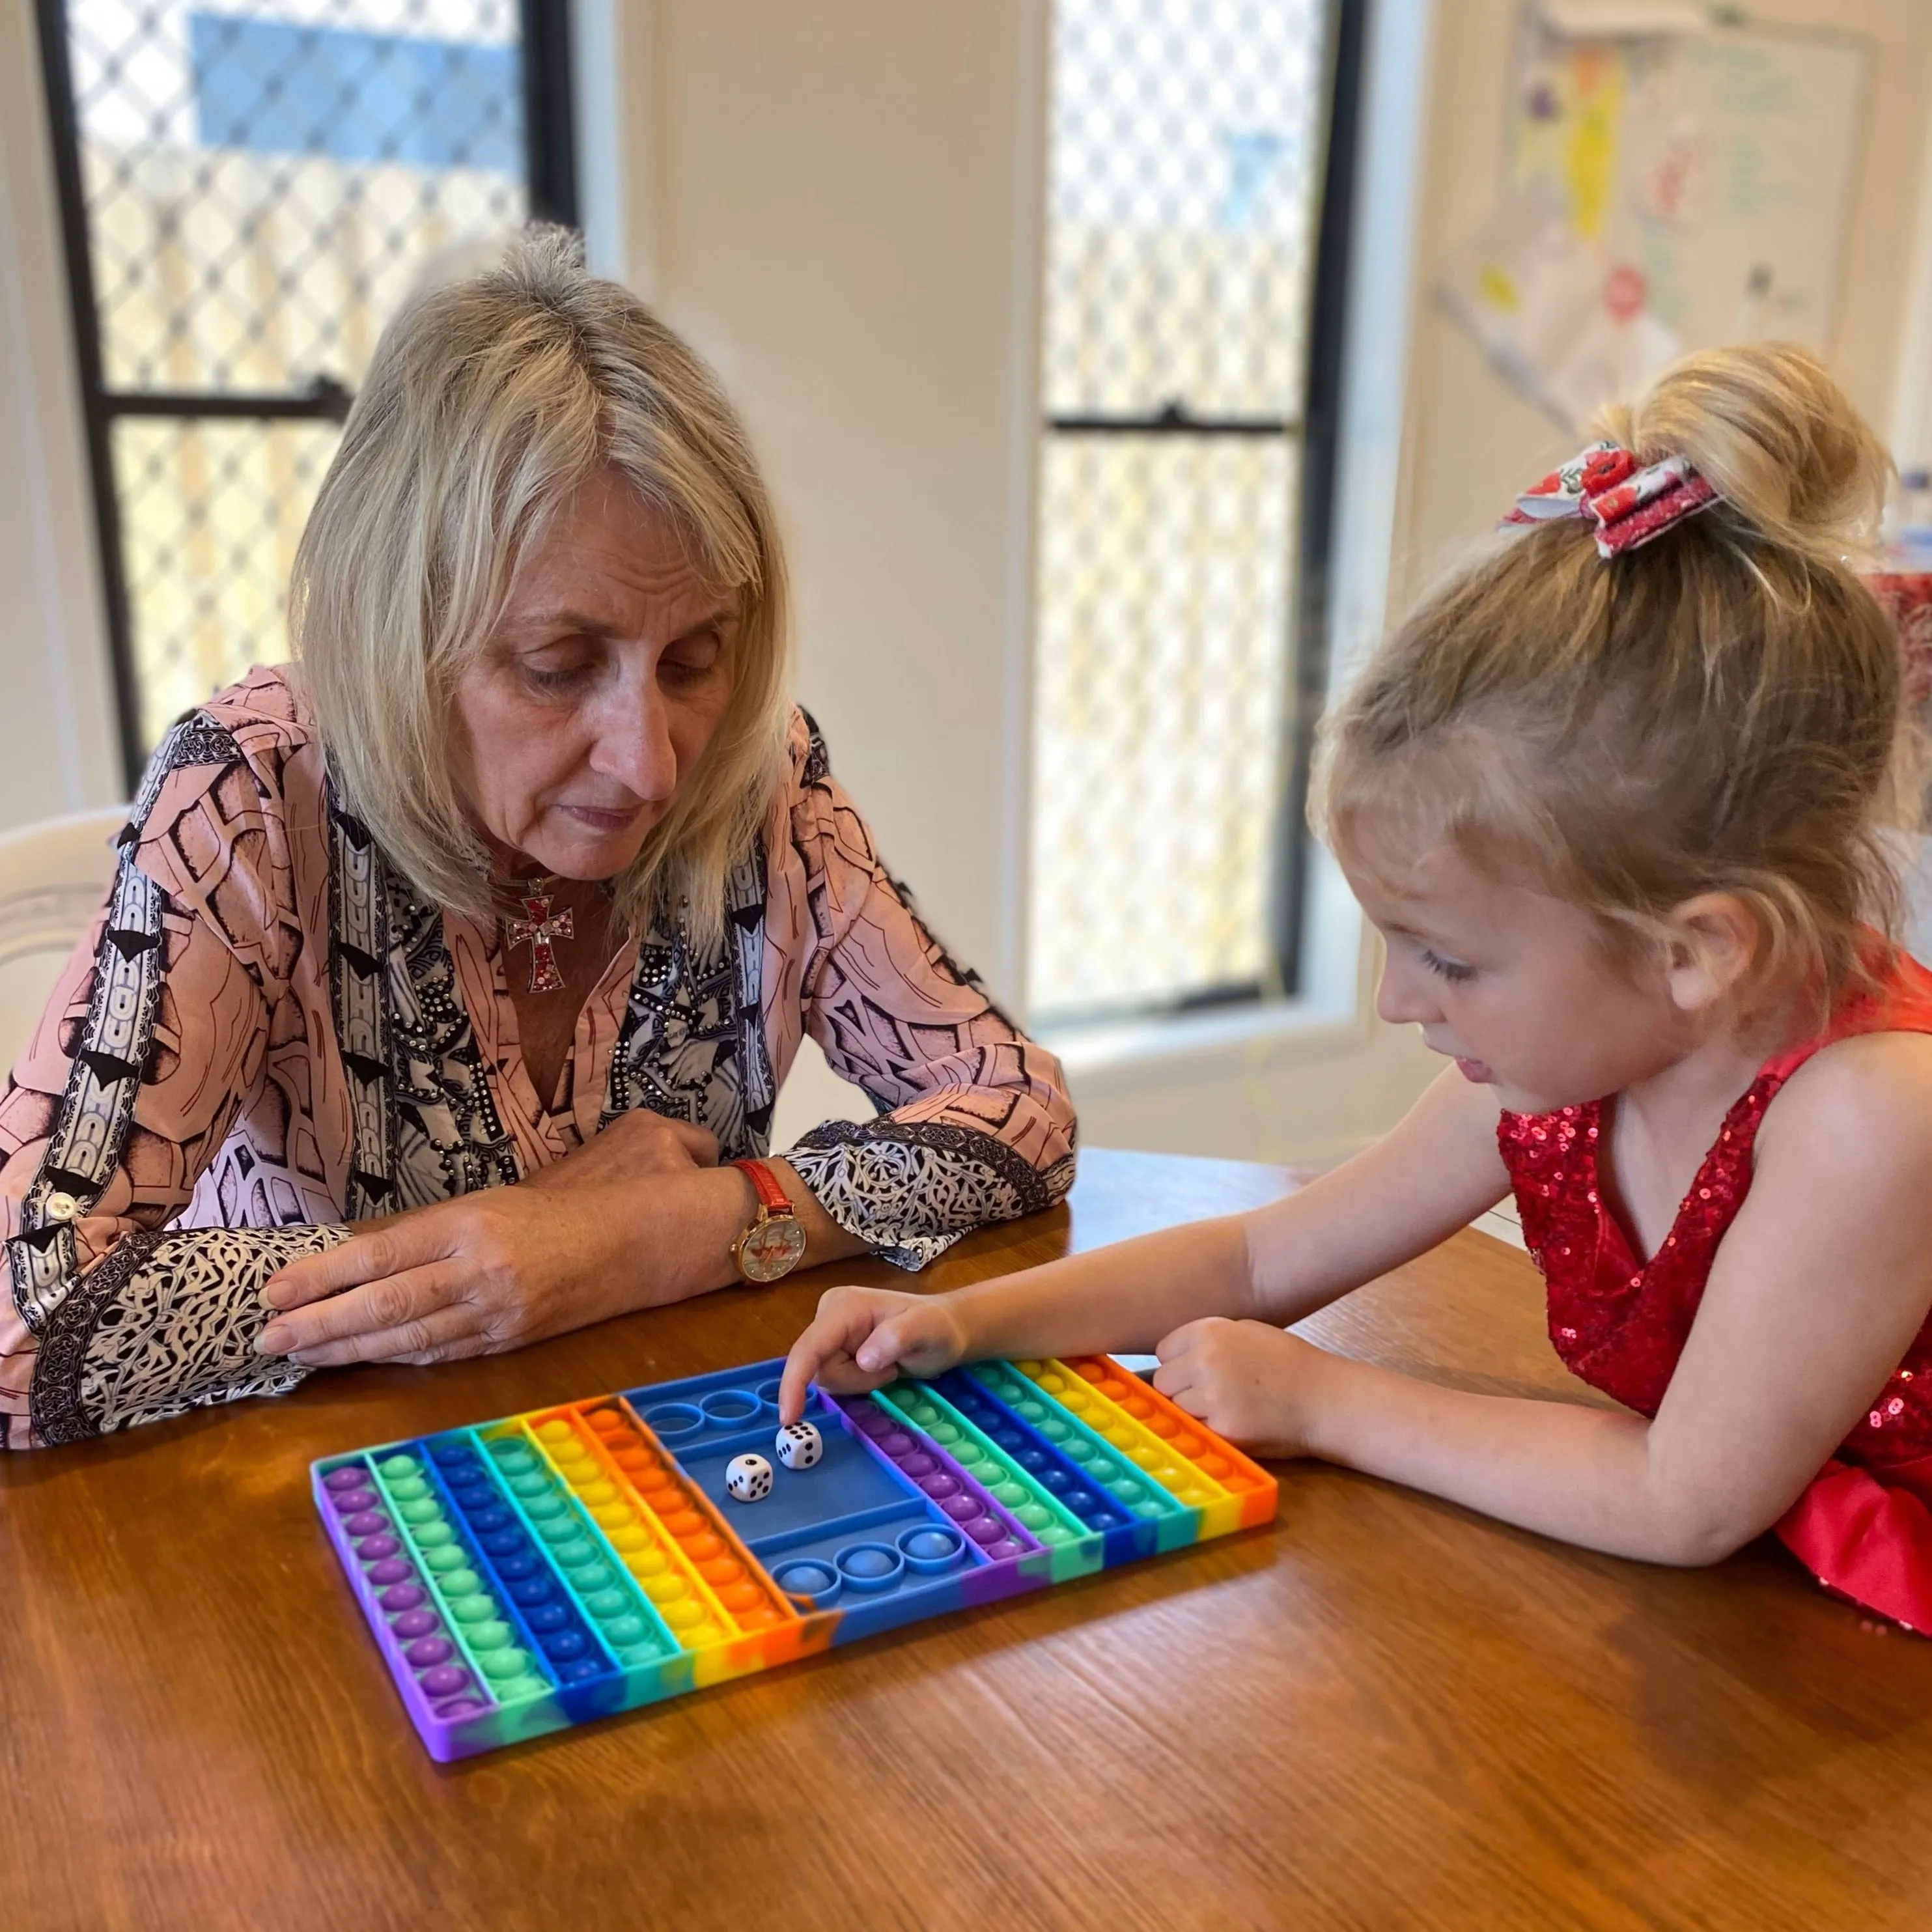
535 1572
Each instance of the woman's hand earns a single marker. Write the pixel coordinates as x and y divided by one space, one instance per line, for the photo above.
1257 1385
641 1214
862 1338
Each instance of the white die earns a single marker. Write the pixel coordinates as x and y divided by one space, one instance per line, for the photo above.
800 1446
748 1478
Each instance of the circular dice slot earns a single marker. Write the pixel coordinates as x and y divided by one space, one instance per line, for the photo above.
870 1566
816 1582
929 1550
674 1421
728 1408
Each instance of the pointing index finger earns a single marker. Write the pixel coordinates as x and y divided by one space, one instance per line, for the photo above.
807 1353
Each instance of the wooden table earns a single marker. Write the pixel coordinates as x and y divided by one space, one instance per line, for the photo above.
1381 1711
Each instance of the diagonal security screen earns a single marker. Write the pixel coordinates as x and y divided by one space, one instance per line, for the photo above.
1186 158
252 187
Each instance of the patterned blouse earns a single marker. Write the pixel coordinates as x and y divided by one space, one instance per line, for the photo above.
267 1036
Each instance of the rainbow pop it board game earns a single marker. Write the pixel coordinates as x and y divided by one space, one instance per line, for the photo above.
538 1571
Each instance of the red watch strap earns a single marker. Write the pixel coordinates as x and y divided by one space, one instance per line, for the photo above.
773 1197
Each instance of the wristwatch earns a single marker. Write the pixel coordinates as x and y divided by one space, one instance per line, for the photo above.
774 1244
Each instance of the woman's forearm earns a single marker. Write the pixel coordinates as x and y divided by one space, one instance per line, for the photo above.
825 1239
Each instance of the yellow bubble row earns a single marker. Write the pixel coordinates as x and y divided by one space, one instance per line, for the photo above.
1157 1460
652 1554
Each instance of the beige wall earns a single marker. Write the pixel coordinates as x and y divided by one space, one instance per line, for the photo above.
57 753
838 204
824 198
1473 442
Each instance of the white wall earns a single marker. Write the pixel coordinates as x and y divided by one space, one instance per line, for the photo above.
823 198
58 753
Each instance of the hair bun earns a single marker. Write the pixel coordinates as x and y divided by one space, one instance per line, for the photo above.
1770 426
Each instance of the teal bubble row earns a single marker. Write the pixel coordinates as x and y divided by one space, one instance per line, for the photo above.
431 1525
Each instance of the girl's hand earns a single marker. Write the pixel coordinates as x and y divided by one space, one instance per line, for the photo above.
1258 1386
862 1337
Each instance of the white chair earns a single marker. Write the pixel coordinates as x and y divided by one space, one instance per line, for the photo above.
53 876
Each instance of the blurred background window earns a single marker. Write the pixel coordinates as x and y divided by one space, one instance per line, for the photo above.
1191 250
249 189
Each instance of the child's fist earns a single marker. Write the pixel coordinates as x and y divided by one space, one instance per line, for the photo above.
1256 1385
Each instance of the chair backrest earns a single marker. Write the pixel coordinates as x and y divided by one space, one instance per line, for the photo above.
53 876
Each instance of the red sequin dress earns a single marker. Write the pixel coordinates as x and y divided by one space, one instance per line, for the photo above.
1864 1526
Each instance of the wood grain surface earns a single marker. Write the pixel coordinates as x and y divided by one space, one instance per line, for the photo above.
1380 1712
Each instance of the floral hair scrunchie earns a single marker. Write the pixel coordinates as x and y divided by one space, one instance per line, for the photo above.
1629 506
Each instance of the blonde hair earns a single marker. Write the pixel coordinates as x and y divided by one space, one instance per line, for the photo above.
1718 711
490 400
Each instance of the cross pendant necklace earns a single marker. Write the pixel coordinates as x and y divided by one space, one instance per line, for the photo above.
542 930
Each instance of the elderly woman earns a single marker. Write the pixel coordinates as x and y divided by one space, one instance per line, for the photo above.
492 928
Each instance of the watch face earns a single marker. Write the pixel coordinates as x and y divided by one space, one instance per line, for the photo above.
773 1248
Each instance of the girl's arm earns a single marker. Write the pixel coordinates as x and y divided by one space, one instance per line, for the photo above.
1397 1199
1817 1290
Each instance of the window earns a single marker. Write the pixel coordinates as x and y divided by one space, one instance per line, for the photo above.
1197 171
249 188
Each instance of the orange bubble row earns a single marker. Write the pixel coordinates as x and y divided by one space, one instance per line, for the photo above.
684 1513
663 1569
1184 1434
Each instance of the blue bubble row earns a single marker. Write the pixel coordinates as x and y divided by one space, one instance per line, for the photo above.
1075 1489
541 1603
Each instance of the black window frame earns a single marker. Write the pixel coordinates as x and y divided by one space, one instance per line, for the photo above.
549 142
1317 430
1325 380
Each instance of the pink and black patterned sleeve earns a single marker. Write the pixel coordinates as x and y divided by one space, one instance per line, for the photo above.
975 1123
155 1036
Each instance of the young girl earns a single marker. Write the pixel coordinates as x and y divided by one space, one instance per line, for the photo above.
1617 800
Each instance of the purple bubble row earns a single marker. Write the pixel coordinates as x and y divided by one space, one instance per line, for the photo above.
938 1477
421 1636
